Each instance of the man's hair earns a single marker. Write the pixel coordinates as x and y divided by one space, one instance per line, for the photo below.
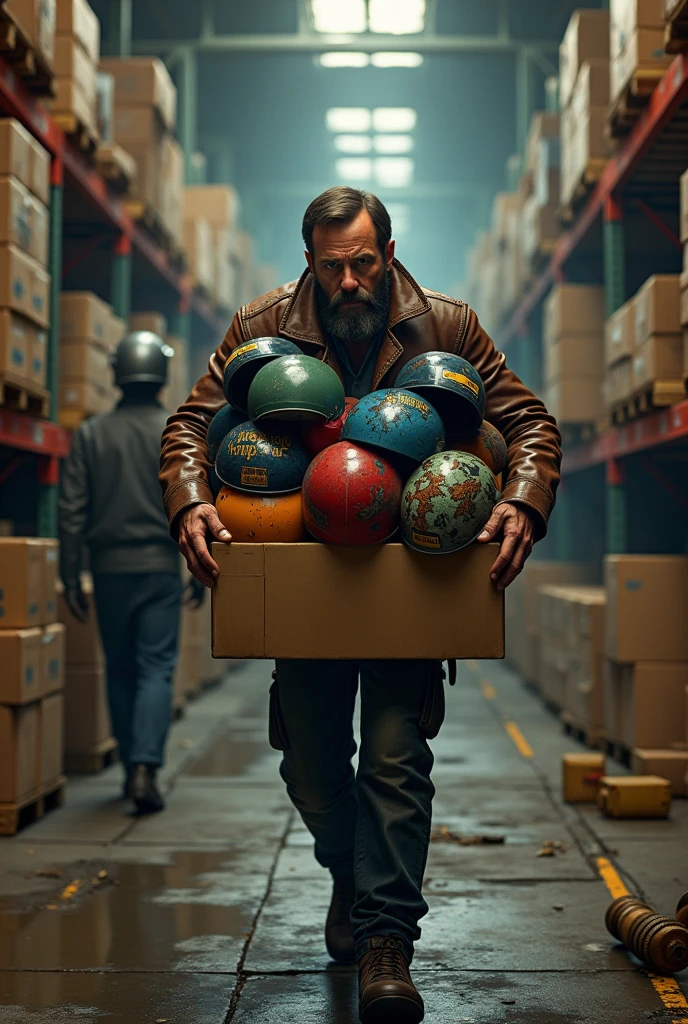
340 205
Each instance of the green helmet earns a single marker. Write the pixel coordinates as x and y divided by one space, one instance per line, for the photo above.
296 387
447 502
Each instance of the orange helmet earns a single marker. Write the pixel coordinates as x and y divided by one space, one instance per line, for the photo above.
261 518
486 442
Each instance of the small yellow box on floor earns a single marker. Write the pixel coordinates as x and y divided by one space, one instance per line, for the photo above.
581 774
634 796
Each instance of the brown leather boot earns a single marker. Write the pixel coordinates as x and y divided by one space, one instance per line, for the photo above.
339 933
385 989
143 790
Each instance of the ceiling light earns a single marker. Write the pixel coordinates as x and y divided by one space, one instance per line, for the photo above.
348 119
335 16
393 144
353 143
394 171
394 119
351 168
344 59
398 17
396 60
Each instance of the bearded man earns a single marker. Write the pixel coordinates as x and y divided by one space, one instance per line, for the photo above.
358 308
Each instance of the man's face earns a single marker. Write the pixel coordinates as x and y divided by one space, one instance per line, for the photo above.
352 278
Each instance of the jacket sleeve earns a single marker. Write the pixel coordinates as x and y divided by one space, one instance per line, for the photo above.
183 460
531 434
74 509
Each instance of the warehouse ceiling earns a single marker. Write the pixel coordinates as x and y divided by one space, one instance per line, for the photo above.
262 116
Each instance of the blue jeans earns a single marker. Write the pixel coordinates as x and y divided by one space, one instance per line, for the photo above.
374 824
138 615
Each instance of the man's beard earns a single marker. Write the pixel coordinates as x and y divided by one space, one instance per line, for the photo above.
355 324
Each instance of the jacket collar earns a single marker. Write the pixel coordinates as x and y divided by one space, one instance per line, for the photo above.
300 320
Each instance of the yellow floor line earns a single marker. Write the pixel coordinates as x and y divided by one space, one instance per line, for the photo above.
487 689
522 745
667 989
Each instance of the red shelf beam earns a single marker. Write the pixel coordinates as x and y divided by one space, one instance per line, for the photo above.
664 102
17 430
647 432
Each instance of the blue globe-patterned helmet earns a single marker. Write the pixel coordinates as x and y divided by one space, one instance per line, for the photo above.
396 421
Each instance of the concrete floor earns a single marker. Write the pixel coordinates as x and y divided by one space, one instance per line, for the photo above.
213 911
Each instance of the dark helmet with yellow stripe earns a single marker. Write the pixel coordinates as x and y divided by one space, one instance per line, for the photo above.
451 385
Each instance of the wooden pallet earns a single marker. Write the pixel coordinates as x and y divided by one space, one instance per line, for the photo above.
117 167
17 49
589 176
576 731
24 396
657 395
31 808
81 135
632 100
91 760
676 31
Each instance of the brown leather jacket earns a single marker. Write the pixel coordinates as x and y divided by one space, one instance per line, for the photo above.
420 321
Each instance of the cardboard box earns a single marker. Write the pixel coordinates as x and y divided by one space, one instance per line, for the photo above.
75 18
544 125
21 582
658 358
52 649
574 355
15 341
586 38
198 246
37 18
140 126
143 82
574 309
647 607
15 214
218 204
657 307
627 796
19 760
82 396
71 99
644 51
146 186
84 359
83 648
38 355
619 334
651 696
673 765
50 556
576 399
611 698
15 150
20 657
116 331
628 15
591 140
423 620
84 315
87 718
24 285
51 738
618 382
39 171
592 88
148 321
581 774
72 62
684 335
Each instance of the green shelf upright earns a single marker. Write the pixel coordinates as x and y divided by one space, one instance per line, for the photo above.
120 284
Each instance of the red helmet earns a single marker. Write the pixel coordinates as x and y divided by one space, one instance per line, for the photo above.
318 436
351 496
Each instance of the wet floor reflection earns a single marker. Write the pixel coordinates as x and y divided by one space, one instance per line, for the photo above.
229 754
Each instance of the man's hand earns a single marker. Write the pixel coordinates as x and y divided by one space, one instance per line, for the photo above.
77 602
196 524
515 524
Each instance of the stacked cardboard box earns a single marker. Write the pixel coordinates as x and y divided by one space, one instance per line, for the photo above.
216 206
32 677
684 275
540 210
145 111
77 52
89 334
522 629
646 671
24 281
619 350
36 21
87 718
573 341
658 345
148 320
636 45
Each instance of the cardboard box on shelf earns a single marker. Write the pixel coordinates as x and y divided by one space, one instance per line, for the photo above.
37 18
544 125
619 334
116 330
146 186
73 63
574 309
24 285
644 51
39 171
581 774
76 19
672 765
82 359
657 307
143 82
218 204
83 648
576 399
87 718
15 344
684 207
630 796
172 170
138 127
81 397
660 357
647 607
618 382
19 759
628 15
70 99
650 698
591 90
420 623
15 214
198 246
50 556
52 657
20 656
148 321
84 315
21 582
51 738
39 219
15 150
684 335
591 143
574 355
586 38
38 355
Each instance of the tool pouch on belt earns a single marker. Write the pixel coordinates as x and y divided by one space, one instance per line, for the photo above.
277 731
432 715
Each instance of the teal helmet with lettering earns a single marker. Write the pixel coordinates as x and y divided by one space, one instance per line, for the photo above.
245 362
396 421
453 386
220 425
269 461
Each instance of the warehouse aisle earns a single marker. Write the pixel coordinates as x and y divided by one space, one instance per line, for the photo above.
213 911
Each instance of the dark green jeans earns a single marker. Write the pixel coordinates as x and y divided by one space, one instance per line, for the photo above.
375 823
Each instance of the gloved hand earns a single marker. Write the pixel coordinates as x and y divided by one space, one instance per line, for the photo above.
77 602
194 593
